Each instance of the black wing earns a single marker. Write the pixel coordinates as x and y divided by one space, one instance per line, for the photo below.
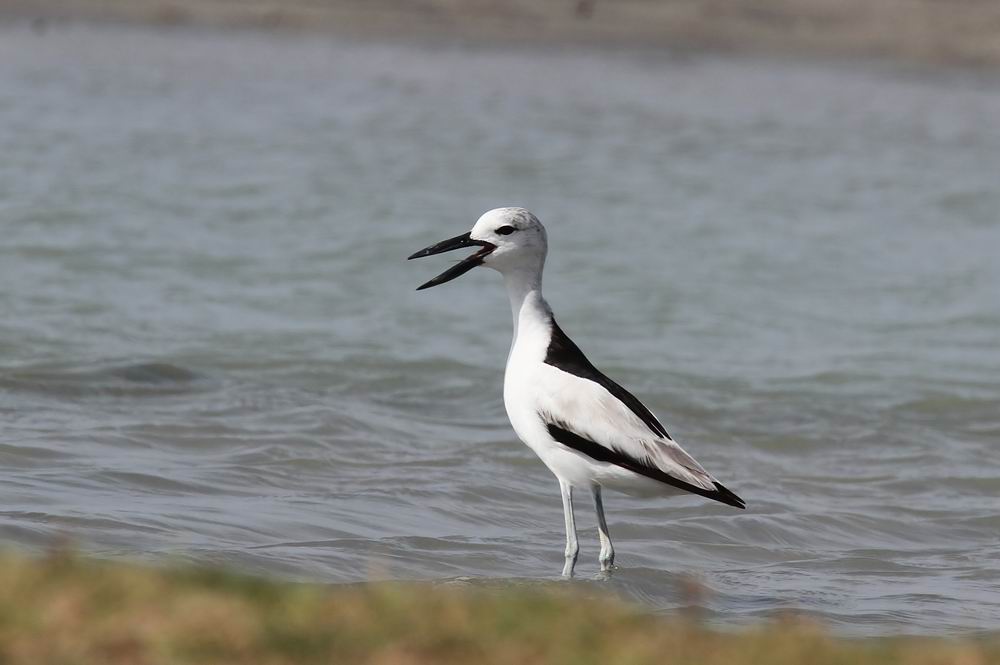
568 357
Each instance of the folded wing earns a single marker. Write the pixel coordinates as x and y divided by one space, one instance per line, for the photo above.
585 415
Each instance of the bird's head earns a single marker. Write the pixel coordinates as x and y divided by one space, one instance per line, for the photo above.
510 240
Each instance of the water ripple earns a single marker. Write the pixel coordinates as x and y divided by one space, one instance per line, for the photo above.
212 350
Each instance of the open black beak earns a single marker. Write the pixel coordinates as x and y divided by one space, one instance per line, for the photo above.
461 267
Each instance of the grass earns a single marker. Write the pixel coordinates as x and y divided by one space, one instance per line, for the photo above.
69 610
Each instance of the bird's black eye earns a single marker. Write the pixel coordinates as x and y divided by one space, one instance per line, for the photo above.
506 230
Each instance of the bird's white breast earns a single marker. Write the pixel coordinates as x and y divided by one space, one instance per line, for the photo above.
525 366
529 384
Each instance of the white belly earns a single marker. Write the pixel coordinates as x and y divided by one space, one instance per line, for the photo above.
521 384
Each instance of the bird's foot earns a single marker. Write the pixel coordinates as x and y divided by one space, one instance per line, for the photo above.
607 560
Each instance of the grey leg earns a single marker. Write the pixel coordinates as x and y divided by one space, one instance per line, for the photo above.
572 546
607 549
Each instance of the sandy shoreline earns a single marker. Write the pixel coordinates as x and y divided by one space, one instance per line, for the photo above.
921 31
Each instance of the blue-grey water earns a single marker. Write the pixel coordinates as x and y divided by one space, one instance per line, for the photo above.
211 349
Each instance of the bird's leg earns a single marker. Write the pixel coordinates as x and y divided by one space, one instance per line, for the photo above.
572 546
607 549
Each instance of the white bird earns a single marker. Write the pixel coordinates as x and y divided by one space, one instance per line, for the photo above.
588 430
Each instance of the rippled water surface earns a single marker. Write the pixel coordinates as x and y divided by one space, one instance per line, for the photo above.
211 348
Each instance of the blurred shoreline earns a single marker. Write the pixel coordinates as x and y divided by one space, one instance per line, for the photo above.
909 31
66 609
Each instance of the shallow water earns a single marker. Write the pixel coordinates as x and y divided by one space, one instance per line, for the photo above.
211 348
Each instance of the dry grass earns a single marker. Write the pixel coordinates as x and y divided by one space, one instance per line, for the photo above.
66 610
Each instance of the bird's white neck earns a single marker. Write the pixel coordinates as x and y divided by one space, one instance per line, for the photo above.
530 312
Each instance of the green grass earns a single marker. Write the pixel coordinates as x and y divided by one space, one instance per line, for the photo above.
68 610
